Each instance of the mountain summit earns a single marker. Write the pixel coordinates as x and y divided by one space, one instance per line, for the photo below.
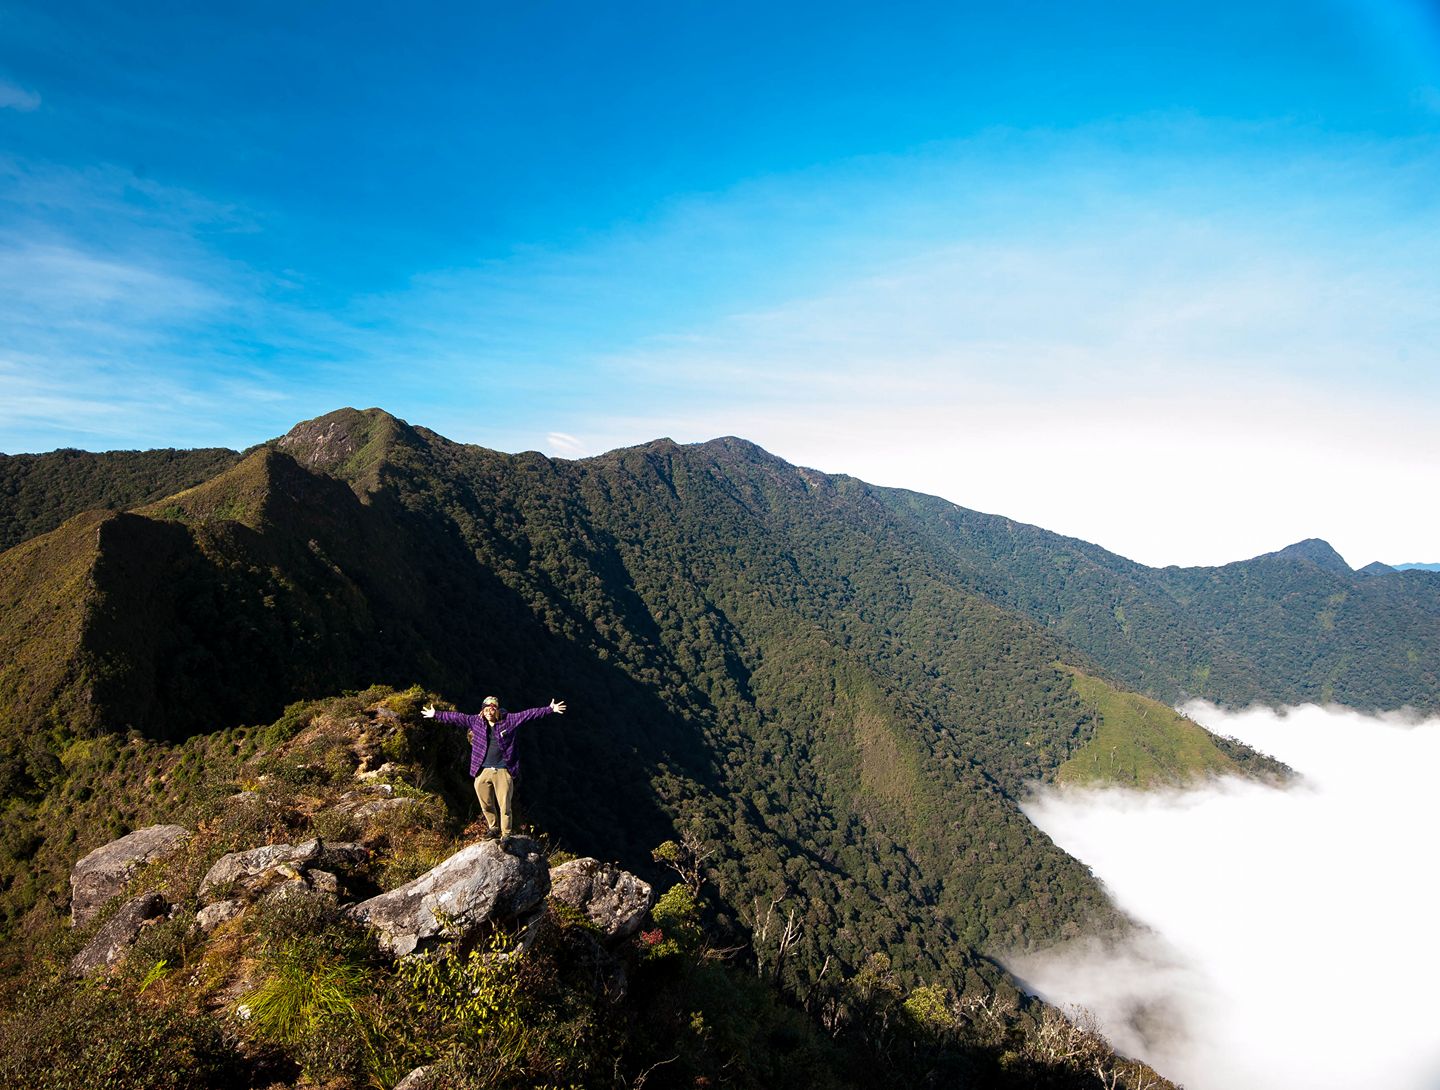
1314 551
347 443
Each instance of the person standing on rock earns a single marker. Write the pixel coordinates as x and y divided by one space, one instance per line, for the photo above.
494 764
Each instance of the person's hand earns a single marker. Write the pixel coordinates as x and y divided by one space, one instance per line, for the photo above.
428 711
558 707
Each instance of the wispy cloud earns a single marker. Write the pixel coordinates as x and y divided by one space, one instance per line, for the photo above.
103 296
1279 918
1136 291
124 323
15 97
566 446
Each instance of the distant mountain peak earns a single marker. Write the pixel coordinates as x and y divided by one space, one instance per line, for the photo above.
734 442
1317 552
346 442
733 448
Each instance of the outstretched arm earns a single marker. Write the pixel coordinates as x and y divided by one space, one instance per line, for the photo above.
556 707
455 718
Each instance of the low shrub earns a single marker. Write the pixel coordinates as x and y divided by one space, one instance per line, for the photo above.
65 1036
318 993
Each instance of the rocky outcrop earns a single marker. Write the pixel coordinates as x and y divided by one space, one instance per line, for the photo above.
119 933
614 900
481 883
247 873
212 916
103 873
365 808
252 870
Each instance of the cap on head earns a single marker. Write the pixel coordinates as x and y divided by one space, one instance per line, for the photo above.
490 702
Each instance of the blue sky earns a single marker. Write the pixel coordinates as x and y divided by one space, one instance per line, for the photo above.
1163 277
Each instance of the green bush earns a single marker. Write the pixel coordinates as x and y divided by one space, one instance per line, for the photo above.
407 704
318 995
334 826
296 717
89 1037
173 942
677 925
500 1019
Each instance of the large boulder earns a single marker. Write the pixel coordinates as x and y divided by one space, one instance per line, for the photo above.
484 882
118 934
612 899
103 873
249 872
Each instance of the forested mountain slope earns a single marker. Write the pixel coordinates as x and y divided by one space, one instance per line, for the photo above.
1288 627
40 491
748 656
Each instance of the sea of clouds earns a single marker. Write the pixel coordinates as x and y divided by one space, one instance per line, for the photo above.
1294 937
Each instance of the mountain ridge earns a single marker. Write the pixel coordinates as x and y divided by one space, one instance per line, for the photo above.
843 690
303 434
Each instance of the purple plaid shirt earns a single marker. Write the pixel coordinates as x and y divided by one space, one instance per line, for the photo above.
504 734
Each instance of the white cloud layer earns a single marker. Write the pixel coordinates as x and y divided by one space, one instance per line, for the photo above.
1293 934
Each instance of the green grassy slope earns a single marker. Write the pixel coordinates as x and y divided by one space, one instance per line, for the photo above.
1141 743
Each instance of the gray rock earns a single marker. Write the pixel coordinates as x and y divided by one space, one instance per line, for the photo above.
251 871
614 900
344 856
212 916
314 883
292 887
419 1079
103 873
475 885
367 810
114 940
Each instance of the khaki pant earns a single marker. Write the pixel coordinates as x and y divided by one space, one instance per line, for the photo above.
494 789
